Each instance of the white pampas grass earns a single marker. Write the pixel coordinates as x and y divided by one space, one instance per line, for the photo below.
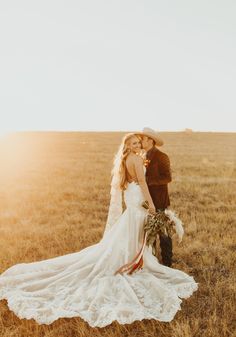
178 223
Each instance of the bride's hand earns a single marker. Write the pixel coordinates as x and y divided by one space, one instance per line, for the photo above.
152 209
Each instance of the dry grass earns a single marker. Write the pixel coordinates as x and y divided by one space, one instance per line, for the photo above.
54 197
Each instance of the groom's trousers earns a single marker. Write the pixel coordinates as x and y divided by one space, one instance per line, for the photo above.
161 201
166 249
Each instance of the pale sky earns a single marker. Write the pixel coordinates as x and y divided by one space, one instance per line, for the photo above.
117 65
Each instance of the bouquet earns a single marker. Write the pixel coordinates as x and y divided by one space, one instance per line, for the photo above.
162 222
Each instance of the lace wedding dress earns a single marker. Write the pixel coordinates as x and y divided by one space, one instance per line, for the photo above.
84 283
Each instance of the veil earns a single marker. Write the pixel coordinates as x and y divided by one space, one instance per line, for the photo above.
115 208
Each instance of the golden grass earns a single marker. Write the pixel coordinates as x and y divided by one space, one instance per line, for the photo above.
54 197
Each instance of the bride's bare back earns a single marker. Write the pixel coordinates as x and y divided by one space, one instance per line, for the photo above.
135 172
130 166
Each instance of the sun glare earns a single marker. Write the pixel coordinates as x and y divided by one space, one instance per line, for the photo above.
3 133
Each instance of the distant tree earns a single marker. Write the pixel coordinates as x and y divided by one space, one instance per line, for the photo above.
188 130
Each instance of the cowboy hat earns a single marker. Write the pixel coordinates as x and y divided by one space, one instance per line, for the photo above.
152 134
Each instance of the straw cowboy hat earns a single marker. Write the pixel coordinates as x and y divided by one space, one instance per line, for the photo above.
152 134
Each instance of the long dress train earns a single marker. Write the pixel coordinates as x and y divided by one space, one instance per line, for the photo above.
84 283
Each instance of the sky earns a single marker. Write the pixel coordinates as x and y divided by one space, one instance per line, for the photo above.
117 65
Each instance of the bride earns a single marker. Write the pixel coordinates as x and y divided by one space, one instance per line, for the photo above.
102 283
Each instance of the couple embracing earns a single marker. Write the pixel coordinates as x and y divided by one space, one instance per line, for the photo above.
158 174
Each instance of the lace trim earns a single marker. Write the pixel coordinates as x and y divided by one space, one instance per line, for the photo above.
100 311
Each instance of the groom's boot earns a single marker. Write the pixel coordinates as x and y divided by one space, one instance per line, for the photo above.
166 250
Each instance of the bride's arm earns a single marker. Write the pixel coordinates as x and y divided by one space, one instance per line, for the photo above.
138 166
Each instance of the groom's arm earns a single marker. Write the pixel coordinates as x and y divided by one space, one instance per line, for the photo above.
164 170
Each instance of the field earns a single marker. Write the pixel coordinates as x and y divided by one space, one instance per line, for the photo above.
54 197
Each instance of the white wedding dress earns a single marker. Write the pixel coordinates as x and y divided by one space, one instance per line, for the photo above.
84 284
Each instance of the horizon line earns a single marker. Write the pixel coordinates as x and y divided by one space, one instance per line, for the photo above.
187 130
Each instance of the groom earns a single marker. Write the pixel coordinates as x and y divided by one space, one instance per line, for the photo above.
158 175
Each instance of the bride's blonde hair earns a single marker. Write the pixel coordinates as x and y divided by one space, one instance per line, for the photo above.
120 158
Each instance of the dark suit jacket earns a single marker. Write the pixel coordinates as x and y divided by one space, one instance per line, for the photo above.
158 175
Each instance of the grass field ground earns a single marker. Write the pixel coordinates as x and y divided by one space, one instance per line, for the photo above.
54 198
